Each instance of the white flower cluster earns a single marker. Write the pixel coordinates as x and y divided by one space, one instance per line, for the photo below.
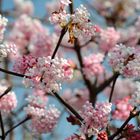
135 98
48 74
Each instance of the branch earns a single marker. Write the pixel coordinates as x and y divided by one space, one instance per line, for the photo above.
112 89
12 73
63 31
132 115
2 127
6 92
70 108
11 129
106 83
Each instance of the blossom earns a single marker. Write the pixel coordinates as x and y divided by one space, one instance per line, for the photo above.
96 118
92 65
48 74
23 30
76 137
102 136
123 108
3 24
135 98
43 119
24 7
9 101
7 48
125 60
23 63
78 23
130 133
108 38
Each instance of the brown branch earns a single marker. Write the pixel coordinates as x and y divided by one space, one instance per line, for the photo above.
15 126
2 127
106 83
112 89
63 31
12 73
69 107
132 115
6 92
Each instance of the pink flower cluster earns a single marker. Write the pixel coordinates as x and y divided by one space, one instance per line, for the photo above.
47 73
96 118
109 7
9 101
24 7
23 63
125 60
79 22
123 108
92 65
43 119
130 133
108 38
76 137
23 30
3 24
135 97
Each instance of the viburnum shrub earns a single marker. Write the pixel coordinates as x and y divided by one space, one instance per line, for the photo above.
74 68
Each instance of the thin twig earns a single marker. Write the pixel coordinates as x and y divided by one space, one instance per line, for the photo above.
6 92
63 31
2 127
12 73
112 89
69 107
15 126
132 115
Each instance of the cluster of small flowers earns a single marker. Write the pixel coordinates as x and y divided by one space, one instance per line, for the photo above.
123 8
92 65
130 133
102 136
9 101
3 24
29 34
5 47
23 30
125 60
108 38
48 73
76 97
79 22
123 108
23 63
76 137
135 97
43 119
24 7
42 40
96 118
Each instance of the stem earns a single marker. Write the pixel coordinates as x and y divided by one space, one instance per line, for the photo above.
70 108
11 129
6 92
12 73
132 115
87 82
71 7
106 83
63 31
2 127
112 89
